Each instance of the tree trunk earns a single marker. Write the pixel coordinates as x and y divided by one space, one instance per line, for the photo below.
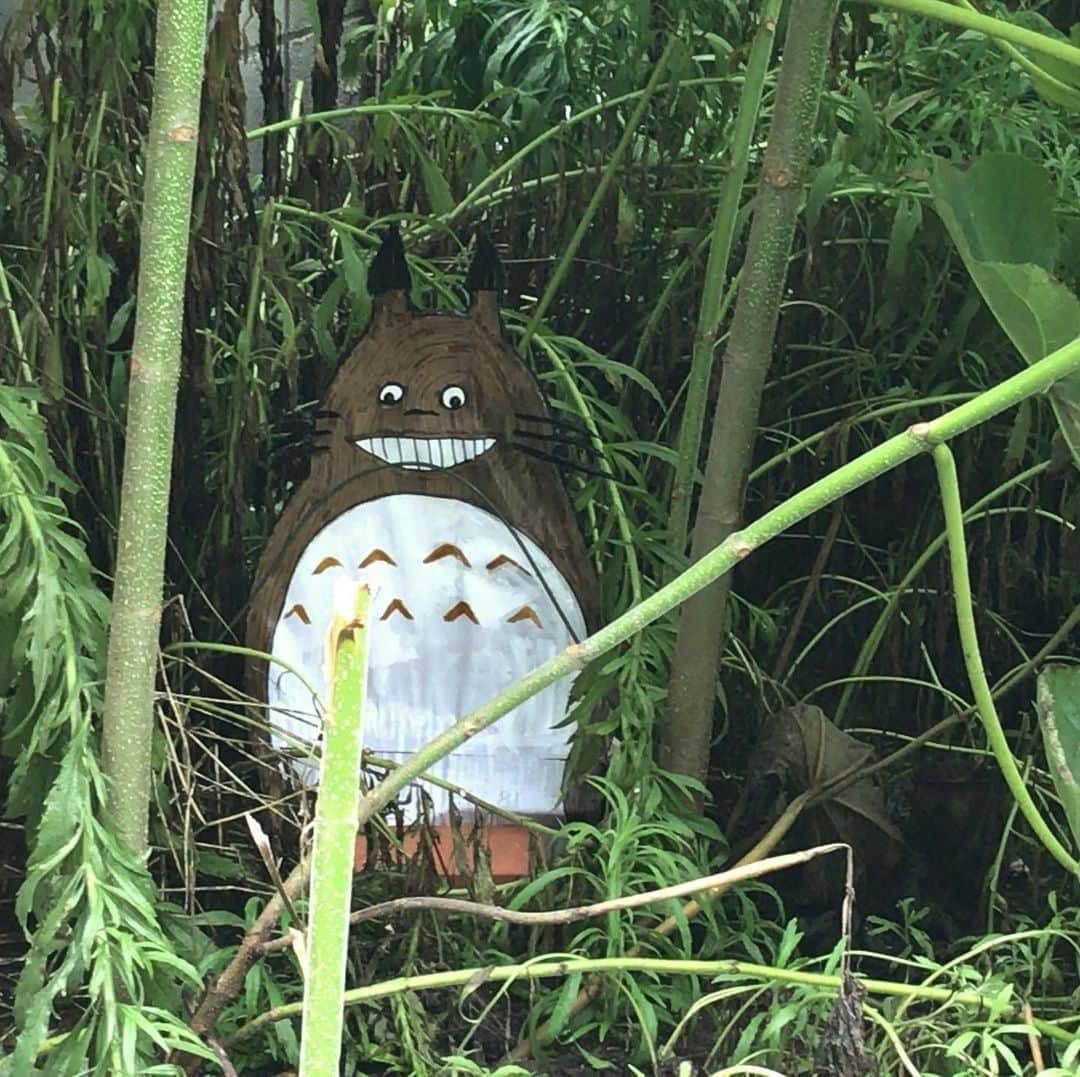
713 305
155 366
687 732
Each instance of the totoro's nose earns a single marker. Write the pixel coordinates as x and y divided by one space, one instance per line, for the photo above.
420 411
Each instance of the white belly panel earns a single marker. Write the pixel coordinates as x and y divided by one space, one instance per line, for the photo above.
459 611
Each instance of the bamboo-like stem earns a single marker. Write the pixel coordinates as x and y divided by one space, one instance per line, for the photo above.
877 630
686 732
984 24
562 267
539 970
155 366
347 647
716 275
969 641
918 439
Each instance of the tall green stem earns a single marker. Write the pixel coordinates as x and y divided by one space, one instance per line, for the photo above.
335 840
863 469
562 267
1050 86
984 24
687 730
716 275
969 642
155 366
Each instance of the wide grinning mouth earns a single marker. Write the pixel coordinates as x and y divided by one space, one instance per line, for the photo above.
424 454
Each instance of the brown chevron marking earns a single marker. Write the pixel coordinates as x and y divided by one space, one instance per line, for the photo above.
300 612
526 613
503 559
398 606
447 549
462 609
325 563
377 555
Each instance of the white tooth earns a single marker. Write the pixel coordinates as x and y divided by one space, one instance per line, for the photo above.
457 454
385 450
445 447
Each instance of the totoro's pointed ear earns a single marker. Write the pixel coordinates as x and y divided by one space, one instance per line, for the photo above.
388 276
484 281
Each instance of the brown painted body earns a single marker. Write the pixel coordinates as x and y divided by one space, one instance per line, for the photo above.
424 354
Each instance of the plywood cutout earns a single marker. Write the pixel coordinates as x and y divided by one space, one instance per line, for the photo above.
432 493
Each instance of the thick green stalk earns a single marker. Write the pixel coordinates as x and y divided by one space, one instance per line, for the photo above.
562 267
716 275
544 969
984 24
919 438
335 839
686 732
969 642
155 366
1050 86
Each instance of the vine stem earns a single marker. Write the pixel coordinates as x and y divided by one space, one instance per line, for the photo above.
547 968
969 641
918 439
686 731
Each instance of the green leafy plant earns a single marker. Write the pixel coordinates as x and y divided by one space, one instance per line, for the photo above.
1012 256
87 905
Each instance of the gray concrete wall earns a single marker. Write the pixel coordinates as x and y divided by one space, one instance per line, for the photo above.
296 60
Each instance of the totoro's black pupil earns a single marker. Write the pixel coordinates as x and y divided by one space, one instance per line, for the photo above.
453 397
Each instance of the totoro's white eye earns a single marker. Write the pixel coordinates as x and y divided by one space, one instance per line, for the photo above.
391 393
453 397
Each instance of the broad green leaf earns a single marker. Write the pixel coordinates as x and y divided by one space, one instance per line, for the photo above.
1058 703
438 190
1000 214
353 265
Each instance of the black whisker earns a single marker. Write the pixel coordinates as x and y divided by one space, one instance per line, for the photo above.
569 424
559 438
562 462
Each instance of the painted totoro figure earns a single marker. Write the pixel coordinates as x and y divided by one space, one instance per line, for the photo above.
431 491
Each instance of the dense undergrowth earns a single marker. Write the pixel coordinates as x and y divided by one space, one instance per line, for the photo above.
502 116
